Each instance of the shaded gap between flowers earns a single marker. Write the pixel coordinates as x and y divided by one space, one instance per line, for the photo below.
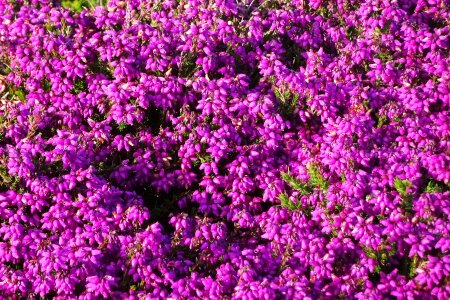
162 205
293 56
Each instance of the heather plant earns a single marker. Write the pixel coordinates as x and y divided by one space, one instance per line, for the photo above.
224 149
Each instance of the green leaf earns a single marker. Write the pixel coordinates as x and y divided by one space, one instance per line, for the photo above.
407 204
413 266
382 120
46 85
384 57
316 179
79 86
277 93
76 5
122 126
352 32
295 100
402 186
283 198
79 5
338 208
433 187
285 202
370 252
287 94
188 65
20 94
296 184
288 100
204 157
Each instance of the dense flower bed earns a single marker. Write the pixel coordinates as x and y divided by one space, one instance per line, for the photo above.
224 149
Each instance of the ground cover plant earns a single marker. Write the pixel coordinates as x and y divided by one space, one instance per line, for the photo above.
193 149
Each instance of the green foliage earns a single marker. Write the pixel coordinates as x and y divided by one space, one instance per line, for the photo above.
402 186
138 286
380 83
188 65
378 32
382 255
366 105
324 12
338 208
355 138
8 181
316 179
20 93
79 86
296 184
62 29
98 117
15 266
353 32
46 85
384 56
215 126
408 266
49 27
205 157
102 67
4 68
293 55
288 100
79 5
285 202
413 264
14 93
76 5
122 127
294 206
382 120
399 65
269 35
433 187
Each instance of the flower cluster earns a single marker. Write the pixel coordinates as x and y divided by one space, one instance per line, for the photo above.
225 149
